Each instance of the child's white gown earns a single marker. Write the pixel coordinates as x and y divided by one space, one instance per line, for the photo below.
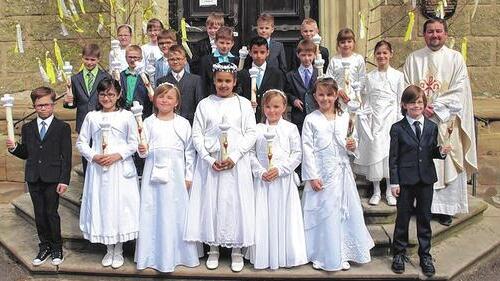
279 229
335 229
164 197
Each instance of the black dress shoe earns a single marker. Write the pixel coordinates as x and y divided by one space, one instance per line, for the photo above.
57 256
427 266
445 220
398 263
42 256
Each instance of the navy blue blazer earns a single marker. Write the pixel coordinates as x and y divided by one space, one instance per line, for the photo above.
295 89
411 161
192 92
140 95
47 160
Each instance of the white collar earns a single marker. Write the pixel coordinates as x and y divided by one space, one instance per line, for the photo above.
47 121
411 120
302 68
263 66
180 74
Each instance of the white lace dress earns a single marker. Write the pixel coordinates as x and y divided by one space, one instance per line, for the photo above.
335 229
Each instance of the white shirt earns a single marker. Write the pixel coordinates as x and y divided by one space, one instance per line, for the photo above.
47 121
261 68
412 121
178 76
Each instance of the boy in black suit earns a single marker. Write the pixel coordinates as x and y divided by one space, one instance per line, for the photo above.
300 83
412 176
83 87
46 147
277 56
189 85
224 41
309 29
206 45
269 77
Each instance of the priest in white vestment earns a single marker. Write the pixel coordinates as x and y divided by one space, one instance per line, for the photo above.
442 73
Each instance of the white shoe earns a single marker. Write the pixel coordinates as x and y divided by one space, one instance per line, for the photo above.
213 260
107 260
391 200
316 266
345 265
117 261
375 200
237 262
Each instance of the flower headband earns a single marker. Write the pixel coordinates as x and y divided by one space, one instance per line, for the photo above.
224 67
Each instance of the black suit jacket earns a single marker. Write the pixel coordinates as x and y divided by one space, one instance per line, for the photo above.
140 95
83 101
325 54
273 79
192 92
411 161
207 74
47 160
296 89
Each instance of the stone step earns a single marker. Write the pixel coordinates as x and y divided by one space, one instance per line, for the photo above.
458 253
440 232
379 214
73 239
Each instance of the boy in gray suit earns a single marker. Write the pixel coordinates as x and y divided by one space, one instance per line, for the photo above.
83 87
265 28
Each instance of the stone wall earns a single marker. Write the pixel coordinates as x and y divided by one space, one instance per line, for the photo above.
482 32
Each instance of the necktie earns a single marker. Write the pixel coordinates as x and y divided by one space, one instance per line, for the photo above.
90 81
43 130
418 132
307 78
259 77
177 77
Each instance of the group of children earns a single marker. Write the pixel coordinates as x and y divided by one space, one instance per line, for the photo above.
212 175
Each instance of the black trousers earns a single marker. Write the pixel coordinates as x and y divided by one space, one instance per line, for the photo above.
45 204
408 193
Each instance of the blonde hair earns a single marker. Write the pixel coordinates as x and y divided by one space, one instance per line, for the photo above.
308 21
270 94
163 89
215 19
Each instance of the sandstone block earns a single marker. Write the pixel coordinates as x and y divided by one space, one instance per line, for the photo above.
481 51
486 21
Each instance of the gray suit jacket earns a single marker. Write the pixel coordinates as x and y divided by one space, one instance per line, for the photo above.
277 57
84 101
192 92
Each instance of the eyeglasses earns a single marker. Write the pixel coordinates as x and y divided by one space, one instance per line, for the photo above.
175 59
103 95
40 106
134 58
165 43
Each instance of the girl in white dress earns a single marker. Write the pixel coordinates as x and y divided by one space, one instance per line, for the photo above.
347 59
383 92
167 177
221 207
110 204
279 233
335 229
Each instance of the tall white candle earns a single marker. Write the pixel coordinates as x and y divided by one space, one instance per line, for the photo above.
253 78
224 142
8 103
136 109
68 71
105 129
243 55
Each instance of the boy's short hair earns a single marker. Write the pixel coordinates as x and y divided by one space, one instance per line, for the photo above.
411 94
215 19
41 92
152 22
167 34
308 21
224 32
258 41
133 48
441 21
265 18
91 50
177 49
122 26
306 45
